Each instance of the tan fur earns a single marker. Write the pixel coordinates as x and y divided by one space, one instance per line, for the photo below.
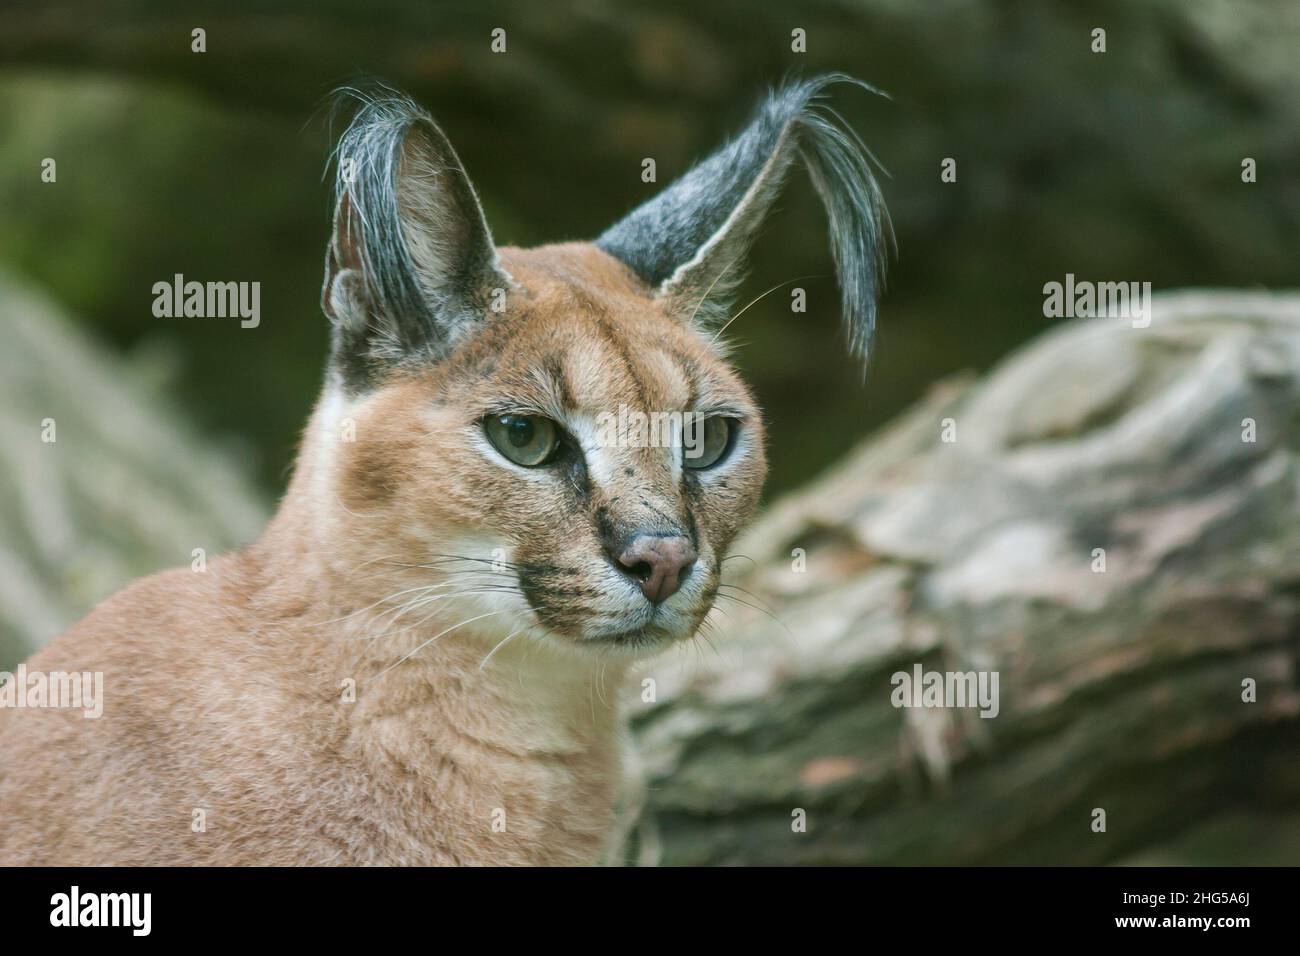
224 689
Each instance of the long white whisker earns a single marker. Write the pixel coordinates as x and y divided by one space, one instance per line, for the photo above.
382 600
434 638
755 300
429 596
425 602
704 298
483 663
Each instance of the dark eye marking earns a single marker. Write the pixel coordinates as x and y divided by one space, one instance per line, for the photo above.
554 368
619 344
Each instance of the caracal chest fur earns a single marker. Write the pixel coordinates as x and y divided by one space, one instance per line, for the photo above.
523 474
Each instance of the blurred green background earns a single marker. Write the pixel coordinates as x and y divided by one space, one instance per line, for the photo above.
1116 166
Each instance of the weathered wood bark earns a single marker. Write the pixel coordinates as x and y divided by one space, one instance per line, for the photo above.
99 482
1176 450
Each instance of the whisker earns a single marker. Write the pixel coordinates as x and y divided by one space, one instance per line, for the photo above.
447 572
425 602
387 598
434 638
704 298
736 587
483 663
339 502
492 561
704 637
368 607
755 607
756 300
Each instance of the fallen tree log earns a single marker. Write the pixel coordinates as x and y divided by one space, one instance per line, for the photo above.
100 482
1111 527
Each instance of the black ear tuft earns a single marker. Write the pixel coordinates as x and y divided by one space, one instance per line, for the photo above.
690 241
411 265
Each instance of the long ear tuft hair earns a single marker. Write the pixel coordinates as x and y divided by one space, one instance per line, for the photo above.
411 262
691 240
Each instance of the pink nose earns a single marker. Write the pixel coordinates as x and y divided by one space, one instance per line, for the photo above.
658 564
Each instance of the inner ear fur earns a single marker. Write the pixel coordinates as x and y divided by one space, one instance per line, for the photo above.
411 265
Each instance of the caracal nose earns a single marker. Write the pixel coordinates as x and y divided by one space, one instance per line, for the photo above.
658 564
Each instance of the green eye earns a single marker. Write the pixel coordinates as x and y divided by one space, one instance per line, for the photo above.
527 440
707 449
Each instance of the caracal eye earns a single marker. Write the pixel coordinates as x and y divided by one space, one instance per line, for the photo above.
527 440
714 447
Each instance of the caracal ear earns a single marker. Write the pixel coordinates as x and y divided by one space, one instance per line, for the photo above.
411 267
690 242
